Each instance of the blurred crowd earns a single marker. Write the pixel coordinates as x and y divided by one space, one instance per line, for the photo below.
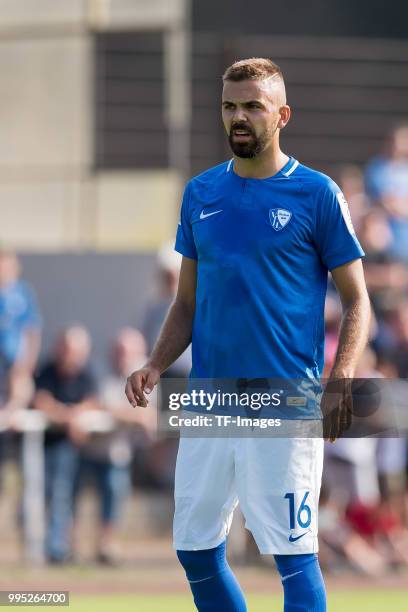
93 435
364 503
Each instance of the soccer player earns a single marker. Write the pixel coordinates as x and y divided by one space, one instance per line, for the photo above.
258 235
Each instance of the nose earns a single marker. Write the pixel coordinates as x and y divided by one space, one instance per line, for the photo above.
239 116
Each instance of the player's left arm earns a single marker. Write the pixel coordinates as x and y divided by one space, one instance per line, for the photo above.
351 286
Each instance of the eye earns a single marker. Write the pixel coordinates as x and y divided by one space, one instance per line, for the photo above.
228 105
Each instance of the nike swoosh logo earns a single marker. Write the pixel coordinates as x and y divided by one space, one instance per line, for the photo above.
293 539
204 216
291 575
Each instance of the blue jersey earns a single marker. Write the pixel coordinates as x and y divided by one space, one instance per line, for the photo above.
263 249
18 312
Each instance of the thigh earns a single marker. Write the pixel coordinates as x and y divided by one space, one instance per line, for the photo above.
204 493
278 483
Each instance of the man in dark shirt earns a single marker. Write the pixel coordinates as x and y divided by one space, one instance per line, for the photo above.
65 389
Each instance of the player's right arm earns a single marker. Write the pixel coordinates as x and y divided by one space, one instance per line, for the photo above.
173 340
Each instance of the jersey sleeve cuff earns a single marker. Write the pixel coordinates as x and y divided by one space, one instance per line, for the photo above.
340 260
185 251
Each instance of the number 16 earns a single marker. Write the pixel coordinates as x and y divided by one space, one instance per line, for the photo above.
302 508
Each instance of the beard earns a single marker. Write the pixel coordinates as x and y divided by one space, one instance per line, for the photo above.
252 147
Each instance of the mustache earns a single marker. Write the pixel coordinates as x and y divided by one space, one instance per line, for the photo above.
241 126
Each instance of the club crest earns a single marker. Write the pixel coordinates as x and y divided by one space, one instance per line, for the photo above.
279 217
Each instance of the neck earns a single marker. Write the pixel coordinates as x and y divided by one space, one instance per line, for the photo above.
268 163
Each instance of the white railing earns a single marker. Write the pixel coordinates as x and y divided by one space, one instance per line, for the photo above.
32 425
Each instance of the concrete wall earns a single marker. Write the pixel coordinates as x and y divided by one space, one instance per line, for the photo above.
50 197
19 14
135 209
103 292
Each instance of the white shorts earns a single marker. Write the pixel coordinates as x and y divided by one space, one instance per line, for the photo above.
276 481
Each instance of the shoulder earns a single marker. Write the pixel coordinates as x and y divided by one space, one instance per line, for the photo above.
316 181
212 173
208 179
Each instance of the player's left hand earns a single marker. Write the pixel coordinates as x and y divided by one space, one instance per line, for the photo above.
337 407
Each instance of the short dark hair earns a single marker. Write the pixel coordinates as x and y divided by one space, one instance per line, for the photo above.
254 68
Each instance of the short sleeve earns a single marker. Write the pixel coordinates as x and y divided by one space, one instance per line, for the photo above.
185 239
335 238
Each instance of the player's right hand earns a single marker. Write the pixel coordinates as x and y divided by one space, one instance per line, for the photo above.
139 383
337 408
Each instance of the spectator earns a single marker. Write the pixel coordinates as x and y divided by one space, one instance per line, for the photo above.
387 185
401 333
391 459
20 321
351 180
65 389
106 456
16 389
20 332
168 270
385 277
20 335
339 543
163 456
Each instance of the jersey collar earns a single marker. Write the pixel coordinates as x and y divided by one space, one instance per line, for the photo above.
290 167
286 171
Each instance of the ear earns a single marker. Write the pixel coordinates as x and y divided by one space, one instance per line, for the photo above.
285 114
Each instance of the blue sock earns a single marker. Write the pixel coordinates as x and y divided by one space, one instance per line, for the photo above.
212 582
302 582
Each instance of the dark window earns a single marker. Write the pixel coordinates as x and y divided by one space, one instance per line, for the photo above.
130 127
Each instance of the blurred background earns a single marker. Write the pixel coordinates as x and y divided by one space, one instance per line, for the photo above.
107 108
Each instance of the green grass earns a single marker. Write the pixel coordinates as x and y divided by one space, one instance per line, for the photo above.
357 601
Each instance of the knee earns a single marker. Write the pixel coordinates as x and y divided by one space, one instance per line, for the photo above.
201 564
